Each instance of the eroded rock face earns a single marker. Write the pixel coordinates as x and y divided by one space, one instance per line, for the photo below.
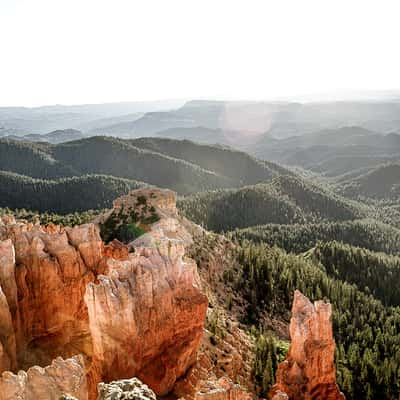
8 307
61 379
223 389
280 396
44 288
220 362
308 373
125 389
63 293
7 337
147 316
116 250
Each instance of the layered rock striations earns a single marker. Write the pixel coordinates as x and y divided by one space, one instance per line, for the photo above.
147 315
45 293
308 373
8 307
62 379
128 314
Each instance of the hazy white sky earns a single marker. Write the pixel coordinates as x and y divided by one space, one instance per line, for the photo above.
91 51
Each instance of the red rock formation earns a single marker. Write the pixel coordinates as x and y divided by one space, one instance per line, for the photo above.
116 250
147 316
144 317
308 373
223 389
53 267
7 337
62 377
8 308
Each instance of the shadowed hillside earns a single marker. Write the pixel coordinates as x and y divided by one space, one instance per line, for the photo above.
286 200
65 195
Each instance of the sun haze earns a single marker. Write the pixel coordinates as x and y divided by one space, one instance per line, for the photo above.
74 51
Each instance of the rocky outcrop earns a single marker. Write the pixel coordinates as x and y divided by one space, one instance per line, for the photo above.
308 373
147 315
8 307
222 359
163 199
129 313
116 250
125 389
61 379
223 389
7 337
281 396
45 287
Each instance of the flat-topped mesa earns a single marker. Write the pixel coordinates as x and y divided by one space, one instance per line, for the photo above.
308 373
161 199
144 210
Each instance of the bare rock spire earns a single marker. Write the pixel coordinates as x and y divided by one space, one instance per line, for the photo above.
308 373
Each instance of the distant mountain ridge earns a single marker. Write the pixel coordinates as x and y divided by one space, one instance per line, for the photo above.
55 137
40 120
181 165
237 123
250 118
331 152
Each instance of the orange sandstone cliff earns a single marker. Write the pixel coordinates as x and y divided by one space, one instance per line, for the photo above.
63 293
308 373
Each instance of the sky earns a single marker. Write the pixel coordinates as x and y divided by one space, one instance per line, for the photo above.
94 51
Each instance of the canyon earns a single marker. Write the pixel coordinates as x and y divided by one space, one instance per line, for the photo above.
77 312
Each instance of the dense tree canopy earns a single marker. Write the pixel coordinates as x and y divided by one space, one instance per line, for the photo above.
367 333
298 238
64 195
286 200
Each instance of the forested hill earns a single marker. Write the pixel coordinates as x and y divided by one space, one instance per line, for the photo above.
373 273
103 155
285 200
34 160
362 287
298 238
224 160
179 165
381 182
64 195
